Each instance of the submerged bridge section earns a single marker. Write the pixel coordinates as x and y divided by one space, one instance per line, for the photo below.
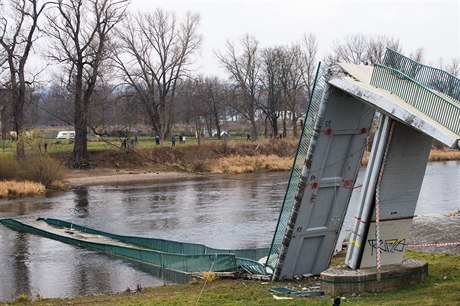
416 104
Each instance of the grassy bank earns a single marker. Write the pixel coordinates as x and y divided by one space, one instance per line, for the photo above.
213 157
216 156
440 289
210 157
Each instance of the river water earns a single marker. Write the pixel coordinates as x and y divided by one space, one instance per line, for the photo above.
233 211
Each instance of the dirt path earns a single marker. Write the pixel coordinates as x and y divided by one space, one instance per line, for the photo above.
103 176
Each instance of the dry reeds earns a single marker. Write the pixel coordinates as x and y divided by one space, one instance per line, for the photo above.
435 155
447 154
18 189
245 164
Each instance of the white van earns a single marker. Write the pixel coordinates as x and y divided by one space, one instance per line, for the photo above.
65 135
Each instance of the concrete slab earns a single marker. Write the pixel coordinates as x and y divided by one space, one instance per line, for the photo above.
363 73
397 109
342 279
358 84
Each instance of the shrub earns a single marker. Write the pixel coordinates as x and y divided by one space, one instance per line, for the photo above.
8 168
200 165
23 298
209 276
42 169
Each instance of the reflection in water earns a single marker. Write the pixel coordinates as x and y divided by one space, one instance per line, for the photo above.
21 270
81 201
220 211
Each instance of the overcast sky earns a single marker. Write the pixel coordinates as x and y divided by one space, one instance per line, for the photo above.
433 25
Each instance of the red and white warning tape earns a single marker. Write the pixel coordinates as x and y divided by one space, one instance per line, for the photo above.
432 244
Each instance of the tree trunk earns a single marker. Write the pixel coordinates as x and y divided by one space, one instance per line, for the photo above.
284 124
18 114
253 128
80 149
294 126
207 121
275 126
198 130
274 123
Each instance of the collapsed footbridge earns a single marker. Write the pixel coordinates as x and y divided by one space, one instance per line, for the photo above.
416 104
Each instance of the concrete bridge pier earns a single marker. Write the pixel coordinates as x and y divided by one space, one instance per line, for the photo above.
392 183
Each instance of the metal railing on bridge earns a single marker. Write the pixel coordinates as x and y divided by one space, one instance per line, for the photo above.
433 78
441 110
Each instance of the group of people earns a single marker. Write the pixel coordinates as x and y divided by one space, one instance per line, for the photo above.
173 140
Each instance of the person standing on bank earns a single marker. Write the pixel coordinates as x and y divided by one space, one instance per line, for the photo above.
173 141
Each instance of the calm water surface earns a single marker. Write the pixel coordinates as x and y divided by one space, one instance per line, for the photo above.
220 211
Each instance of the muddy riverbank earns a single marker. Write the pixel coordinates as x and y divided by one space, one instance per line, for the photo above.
108 176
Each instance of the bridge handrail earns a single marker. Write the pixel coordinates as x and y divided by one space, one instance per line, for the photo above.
431 77
424 99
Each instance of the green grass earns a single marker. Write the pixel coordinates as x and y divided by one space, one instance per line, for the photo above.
111 143
442 288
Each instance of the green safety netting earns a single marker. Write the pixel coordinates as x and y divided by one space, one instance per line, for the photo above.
167 254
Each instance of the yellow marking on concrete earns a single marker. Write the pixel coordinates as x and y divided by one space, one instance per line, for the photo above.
355 243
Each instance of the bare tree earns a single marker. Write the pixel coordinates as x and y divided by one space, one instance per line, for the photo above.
272 85
309 52
80 31
354 49
59 102
296 75
17 36
377 46
155 51
211 93
103 105
244 70
418 55
300 75
362 49
453 67
292 80
188 92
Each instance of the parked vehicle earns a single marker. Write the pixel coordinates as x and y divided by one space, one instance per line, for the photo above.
65 135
